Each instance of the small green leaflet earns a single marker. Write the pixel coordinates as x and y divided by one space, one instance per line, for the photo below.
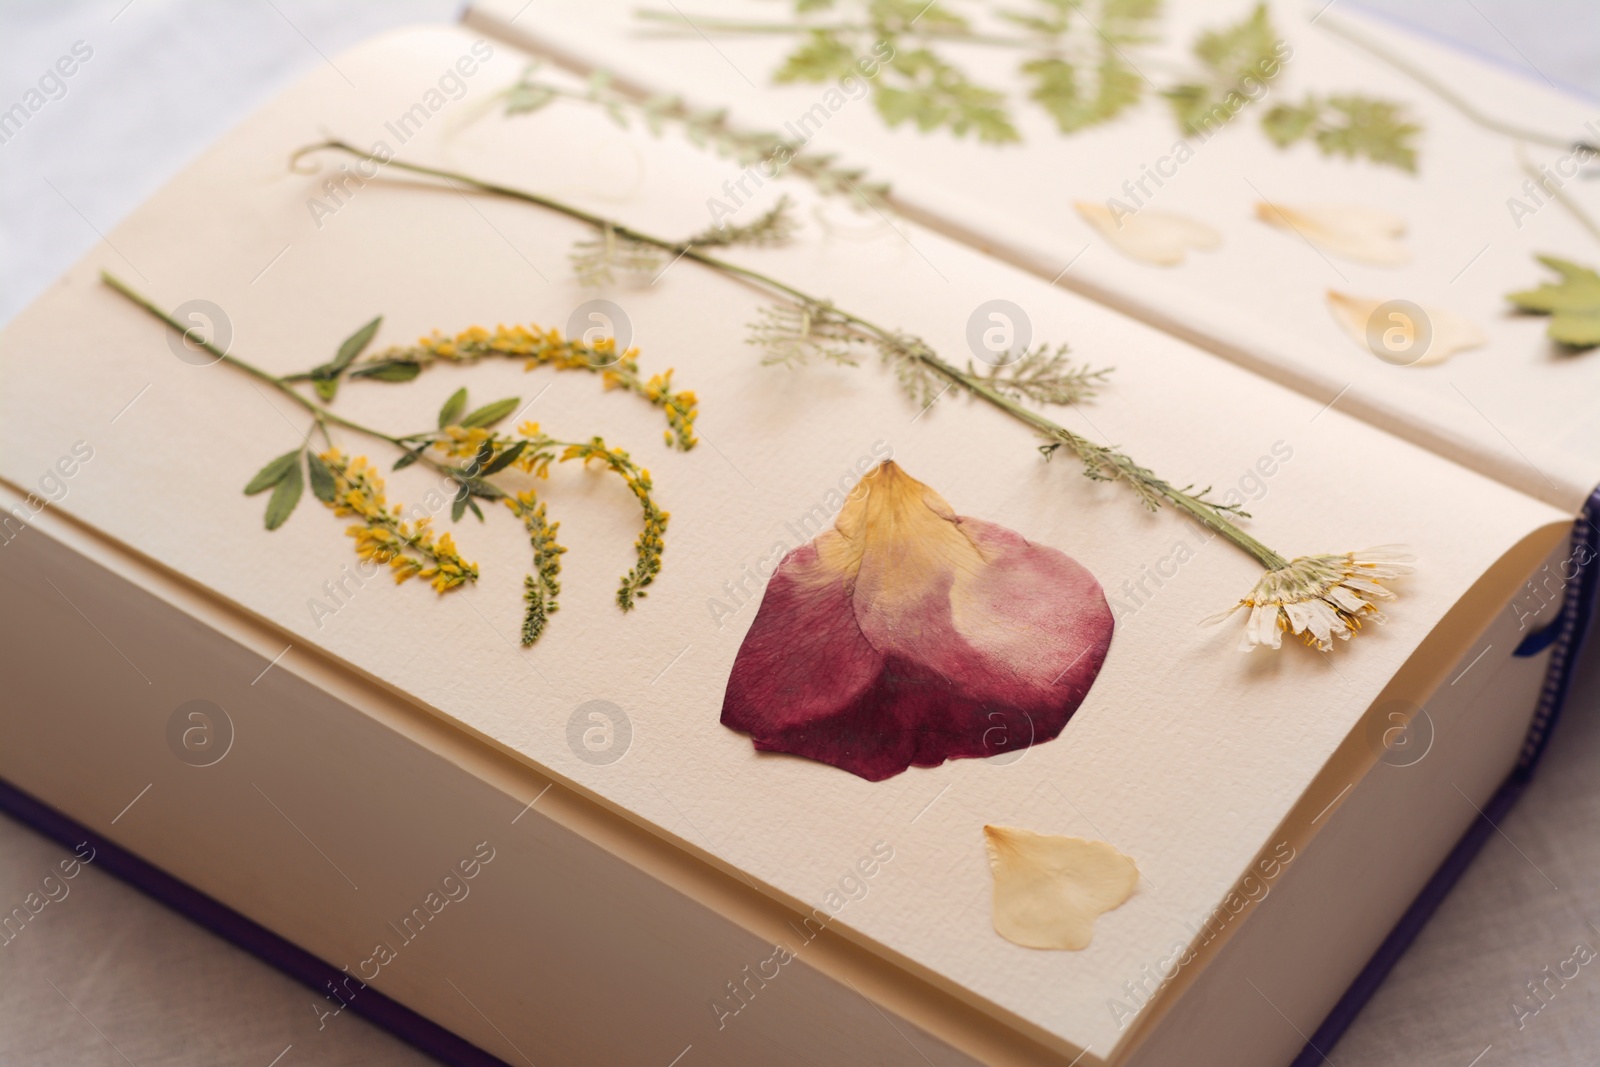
450 414
325 379
392 370
1573 303
272 473
1056 88
323 486
937 94
822 57
490 414
1347 125
1234 57
285 495
504 459
1245 49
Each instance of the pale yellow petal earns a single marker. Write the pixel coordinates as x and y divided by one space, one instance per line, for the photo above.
1404 334
1363 234
1048 889
1157 237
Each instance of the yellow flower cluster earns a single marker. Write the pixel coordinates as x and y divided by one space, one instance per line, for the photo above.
539 589
651 542
548 348
409 549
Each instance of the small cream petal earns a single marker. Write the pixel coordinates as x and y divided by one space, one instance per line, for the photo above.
1157 237
1393 339
1365 235
1048 889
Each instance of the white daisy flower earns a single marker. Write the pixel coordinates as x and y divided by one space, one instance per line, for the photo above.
1319 597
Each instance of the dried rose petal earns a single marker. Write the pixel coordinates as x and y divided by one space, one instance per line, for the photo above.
910 635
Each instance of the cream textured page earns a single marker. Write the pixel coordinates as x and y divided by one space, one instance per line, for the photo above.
1185 755
1517 408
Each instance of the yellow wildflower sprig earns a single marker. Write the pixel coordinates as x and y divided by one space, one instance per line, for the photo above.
650 545
533 451
540 347
540 588
409 549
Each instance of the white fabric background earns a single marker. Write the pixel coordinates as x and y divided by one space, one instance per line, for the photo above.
106 976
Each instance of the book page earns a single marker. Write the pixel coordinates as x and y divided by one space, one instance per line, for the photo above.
1473 215
1185 755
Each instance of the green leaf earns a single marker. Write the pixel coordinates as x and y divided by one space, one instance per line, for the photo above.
1375 129
490 414
1287 123
272 473
453 408
393 370
408 459
1347 125
459 507
1196 109
1056 88
1573 303
504 459
472 505
325 378
822 57
1247 48
323 485
354 344
285 496
937 95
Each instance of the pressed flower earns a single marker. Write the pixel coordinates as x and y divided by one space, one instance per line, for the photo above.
407 548
1402 333
1363 234
1158 237
1319 598
1049 889
907 634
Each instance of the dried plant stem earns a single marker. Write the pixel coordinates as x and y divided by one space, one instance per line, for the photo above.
1101 462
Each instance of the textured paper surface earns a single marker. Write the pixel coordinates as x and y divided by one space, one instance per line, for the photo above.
1185 755
1518 408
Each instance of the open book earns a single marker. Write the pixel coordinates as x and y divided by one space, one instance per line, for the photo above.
640 812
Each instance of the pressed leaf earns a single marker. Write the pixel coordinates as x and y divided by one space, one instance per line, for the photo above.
505 459
490 414
452 409
285 495
936 94
1247 48
323 485
1057 89
1573 303
354 344
394 370
822 57
1347 125
272 473
408 459
458 507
